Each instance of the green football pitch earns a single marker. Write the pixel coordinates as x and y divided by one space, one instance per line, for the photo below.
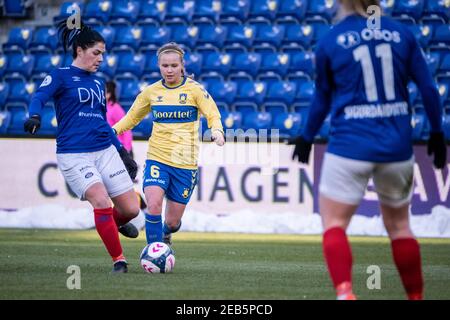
227 266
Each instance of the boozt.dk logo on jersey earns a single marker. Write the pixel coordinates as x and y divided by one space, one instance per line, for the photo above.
348 40
90 94
182 98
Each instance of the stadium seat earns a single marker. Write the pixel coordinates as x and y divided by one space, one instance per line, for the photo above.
46 62
49 124
20 37
244 108
15 8
323 8
124 9
293 8
213 34
236 8
413 92
443 92
320 28
247 62
4 91
223 91
302 61
276 62
232 120
128 35
410 8
242 34
445 64
131 62
183 9
445 125
289 124
129 87
22 64
236 48
19 89
274 108
258 121
144 127
153 10
3 64
387 6
268 78
271 34
184 34
46 37
300 34
155 35
193 63
219 62
418 122
442 35
211 9
305 93
283 91
438 7
5 119
264 48
422 33
98 10
108 33
18 116
264 8
250 91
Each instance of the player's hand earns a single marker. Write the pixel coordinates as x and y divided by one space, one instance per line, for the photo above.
218 137
436 146
129 163
302 149
32 124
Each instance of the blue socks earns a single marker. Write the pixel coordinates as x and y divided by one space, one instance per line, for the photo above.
153 228
167 230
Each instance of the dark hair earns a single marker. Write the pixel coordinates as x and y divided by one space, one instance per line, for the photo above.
83 37
111 88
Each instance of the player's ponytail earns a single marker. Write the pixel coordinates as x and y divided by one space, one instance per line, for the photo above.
83 37
360 6
175 48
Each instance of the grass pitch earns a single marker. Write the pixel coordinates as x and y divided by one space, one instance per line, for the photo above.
34 264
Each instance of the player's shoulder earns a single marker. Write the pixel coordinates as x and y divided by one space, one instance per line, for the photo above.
195 85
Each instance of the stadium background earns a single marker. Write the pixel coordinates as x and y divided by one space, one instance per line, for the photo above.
255 58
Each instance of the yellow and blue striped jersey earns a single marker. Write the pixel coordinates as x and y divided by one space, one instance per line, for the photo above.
176 113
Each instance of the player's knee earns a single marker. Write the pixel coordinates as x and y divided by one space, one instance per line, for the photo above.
100 202
154 207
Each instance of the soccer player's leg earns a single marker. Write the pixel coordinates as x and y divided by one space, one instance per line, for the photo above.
156 182
394 185
126 207
183 182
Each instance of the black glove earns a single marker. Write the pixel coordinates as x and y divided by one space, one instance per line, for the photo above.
32 124
129 163
302 149
436 146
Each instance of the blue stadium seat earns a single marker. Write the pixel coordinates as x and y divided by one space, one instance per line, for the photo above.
128 35
422 33
289 124
193 63
445 64
183 9
410 8
418 122
320 28
433 61
67 9
3 64
442 34
302 110
269 78
276 62
144 128
236 8
155 35
258 121
19 89
301 34
387 6
45 36
22 64
223 91
274 108
413 92
445 125
153 10
15 8
49 124
245 108
283 91
4 91
214 34
269 34
250 91
131 62
219 62
124 9
232 120
5 119
443 92
151 64
129 87
302 61
247 62
323 8
47 62
184 34
242 34
20 37
298 77
18 116
98 10
108 33
438 7
305 93
292 8
211 9
264 8
236 48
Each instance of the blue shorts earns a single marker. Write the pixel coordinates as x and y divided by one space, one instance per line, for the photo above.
177 183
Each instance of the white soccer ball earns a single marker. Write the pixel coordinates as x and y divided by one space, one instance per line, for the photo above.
157 257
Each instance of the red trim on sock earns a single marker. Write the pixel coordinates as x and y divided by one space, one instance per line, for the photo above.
338 255
406 253
107 229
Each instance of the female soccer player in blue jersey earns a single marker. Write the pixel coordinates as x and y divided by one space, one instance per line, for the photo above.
362 76
85 152
176 102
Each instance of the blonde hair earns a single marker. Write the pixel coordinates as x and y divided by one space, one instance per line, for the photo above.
173 47
360 6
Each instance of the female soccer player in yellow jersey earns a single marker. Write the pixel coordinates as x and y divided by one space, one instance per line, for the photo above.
176 102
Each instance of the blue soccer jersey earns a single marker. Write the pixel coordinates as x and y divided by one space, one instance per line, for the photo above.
362 77
80 105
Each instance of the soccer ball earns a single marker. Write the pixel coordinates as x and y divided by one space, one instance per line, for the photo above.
157 257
